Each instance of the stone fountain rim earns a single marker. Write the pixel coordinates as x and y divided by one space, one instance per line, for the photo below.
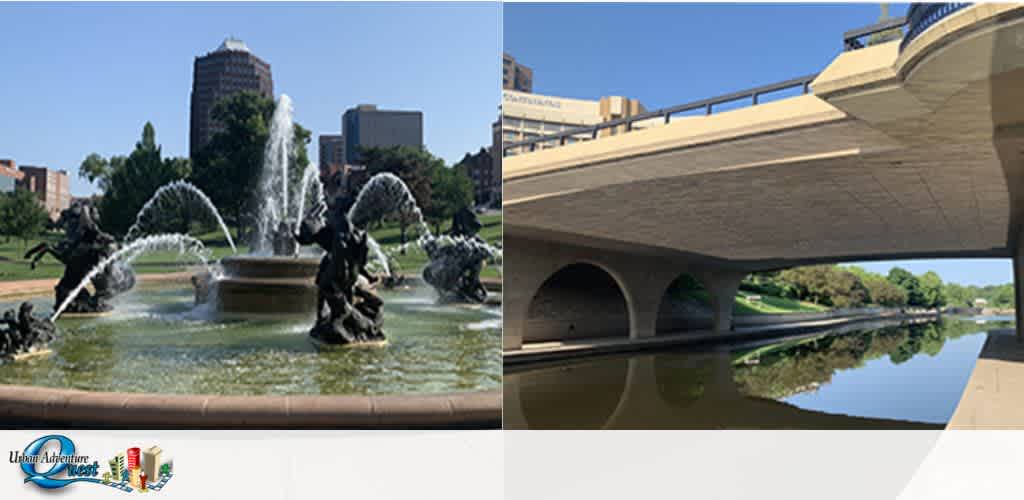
74 407
271 258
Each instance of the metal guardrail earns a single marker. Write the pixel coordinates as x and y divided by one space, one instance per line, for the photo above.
852 38
664 114
921 16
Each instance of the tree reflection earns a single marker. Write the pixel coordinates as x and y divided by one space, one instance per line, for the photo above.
788 368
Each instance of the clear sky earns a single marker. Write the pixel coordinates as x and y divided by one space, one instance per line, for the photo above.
85 78
665 55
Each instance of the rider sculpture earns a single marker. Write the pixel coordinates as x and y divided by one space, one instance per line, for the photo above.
83 247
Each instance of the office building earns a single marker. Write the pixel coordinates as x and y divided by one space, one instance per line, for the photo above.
480 168
117 468
515 76
367 126
9 176
332 150
151 461
51 186
230 69
527 116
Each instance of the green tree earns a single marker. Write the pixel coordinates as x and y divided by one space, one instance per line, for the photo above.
21 215
98 169
450 191
228 169
958 295
883 292
130 181
931 290
907 281
827 285
414 165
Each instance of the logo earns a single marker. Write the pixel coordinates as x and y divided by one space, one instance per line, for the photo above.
58 465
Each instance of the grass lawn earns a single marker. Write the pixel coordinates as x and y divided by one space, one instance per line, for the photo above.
773 305
767 305
13 267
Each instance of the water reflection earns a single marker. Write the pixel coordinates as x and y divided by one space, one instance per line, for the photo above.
883 376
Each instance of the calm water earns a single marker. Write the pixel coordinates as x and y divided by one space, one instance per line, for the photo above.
157 342
879 377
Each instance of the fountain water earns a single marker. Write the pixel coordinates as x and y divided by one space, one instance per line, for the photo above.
184 244
455 261
273 189
170 196
310 177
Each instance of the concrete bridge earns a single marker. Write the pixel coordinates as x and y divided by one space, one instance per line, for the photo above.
907 149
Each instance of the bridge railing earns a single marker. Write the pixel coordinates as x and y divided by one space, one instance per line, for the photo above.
920 16
662 116
854 39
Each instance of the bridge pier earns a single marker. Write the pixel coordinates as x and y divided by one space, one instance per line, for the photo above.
722 287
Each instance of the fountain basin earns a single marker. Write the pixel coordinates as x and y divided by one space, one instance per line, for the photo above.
158 361
29 406
263 285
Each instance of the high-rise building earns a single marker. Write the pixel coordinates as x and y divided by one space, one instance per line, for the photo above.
151 461
515 76
332 150
9 176
367 126
527 116
51 186
230 69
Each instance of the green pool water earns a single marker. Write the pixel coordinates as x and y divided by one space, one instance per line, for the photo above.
157 342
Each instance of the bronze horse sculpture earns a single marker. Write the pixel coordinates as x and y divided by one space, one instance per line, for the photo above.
83 247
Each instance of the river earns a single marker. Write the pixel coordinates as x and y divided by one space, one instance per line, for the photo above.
875 376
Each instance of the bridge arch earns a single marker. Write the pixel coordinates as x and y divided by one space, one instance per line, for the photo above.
583 299
684 306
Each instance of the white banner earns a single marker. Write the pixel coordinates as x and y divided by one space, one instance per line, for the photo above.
784 465
253 464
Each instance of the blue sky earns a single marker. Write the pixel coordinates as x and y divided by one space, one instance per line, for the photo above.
665 55
85 78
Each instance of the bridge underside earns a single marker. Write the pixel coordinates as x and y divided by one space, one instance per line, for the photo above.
918 154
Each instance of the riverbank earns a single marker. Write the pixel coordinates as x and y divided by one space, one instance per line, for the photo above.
994 396
745 329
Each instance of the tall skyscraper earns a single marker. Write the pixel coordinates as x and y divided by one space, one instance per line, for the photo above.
229 69
332 150
515 76
365 125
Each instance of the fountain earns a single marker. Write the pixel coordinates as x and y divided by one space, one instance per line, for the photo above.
275 279
236 364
